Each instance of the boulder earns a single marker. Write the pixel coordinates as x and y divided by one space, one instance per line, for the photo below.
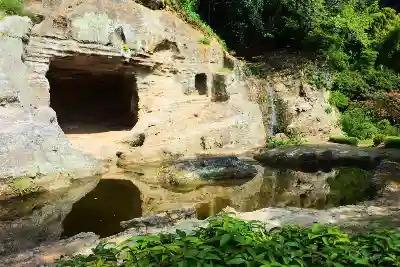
192 173
325 157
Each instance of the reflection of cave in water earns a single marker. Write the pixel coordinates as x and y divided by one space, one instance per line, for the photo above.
102 209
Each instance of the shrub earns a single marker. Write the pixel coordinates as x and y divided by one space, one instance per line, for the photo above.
12 7
339 100
382 80
386 106
228 241
378 139
385 127
392 142
356 123
344 140
294 140
351 83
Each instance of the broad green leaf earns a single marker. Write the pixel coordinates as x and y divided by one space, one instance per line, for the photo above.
225 239
235 261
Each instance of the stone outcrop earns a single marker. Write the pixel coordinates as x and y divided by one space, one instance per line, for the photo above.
32 144
171 78
177 78
325 157
290 104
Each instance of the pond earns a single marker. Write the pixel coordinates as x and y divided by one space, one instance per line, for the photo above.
114 200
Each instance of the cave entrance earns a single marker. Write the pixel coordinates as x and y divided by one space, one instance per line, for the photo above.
200 83
88 97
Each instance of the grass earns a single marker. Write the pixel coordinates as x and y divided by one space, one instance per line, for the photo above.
227 241
225 70
205 40
344 140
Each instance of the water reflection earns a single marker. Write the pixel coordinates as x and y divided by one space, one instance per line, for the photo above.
102 209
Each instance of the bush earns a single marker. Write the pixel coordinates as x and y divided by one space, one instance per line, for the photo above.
351 83
386 106
12 7
339 100
392 142
385 127
382 80
378 139
356 123
344 140
228 241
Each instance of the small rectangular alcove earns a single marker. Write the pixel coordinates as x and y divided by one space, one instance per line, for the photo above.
200 83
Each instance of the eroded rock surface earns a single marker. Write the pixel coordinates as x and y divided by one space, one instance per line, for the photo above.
32 143
317 157
177 79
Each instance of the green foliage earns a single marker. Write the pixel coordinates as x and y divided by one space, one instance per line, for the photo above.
187 10
328 110
12 7
291 141
356 123
378 139
385 127
344 140
205 40
339 100
350 83
228 241
392 142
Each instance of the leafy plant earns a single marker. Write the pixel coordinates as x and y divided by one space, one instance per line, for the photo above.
228 241
339 100
294 140
356 123
378 139
12 7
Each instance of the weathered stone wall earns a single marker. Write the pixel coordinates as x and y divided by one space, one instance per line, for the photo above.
168 55
32 144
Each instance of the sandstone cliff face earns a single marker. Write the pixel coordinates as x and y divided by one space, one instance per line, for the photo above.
32 144
192 96
188 100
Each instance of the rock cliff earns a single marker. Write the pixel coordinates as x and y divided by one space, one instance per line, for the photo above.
68 101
